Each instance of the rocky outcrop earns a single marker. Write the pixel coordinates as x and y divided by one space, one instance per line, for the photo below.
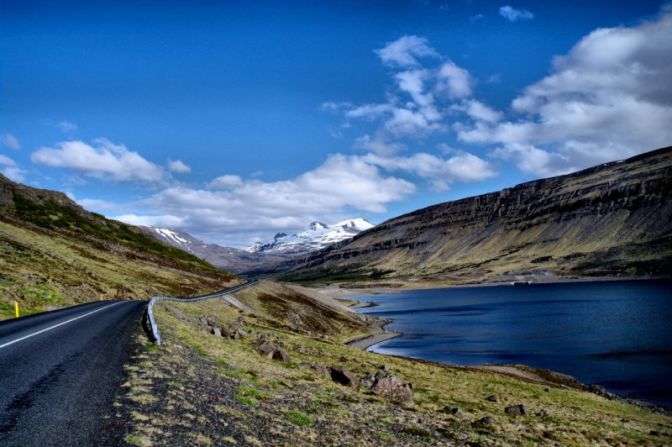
604 220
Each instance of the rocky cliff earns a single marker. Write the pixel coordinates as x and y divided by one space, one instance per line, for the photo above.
613 219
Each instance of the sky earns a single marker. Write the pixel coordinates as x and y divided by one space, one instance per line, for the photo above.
237 120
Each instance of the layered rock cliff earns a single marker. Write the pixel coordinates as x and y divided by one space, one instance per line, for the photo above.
613 219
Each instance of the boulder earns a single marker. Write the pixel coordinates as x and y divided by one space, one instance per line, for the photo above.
272 351
368 380
216 331
455 411
343 376
392 387
516 410
492 398
487 420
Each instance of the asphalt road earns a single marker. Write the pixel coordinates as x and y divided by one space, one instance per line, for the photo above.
60 370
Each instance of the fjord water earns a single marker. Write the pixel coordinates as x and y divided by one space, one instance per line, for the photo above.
615 334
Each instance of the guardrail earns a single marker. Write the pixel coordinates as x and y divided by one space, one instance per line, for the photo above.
150 307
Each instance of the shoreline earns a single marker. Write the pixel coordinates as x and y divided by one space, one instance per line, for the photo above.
519 371
345 291
366 341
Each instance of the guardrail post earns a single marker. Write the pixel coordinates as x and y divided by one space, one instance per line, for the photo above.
16 308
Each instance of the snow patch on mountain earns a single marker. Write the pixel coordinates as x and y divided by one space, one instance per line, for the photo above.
314 237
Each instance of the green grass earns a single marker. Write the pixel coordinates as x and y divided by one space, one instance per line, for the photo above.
298 418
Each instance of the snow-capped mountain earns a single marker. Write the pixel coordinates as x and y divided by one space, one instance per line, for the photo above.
177 238
315 237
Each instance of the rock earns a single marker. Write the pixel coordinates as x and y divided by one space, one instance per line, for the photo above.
542 413
272 351
367 380
392 387
516 410
487 420
216 331
343 376
455 411
492 398
320 369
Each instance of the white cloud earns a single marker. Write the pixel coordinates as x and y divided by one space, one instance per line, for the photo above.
405 51
441 172
103 159
246 209
10 169
377 144
178 166
478 111
513 15
10 141
609 98
454 81
66 127
225 181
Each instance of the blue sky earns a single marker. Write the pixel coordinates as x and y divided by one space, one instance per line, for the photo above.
234 121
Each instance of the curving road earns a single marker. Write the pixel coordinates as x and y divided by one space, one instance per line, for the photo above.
60 370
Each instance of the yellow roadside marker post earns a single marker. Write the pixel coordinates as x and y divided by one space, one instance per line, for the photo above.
16 308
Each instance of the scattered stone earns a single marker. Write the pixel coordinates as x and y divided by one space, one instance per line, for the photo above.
516 410
492 398
216 331
367 381
343 376
392 387
272 351
320 369
487 420
543 413
455 411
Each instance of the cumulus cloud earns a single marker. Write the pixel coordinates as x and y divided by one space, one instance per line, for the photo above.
514 15
405 51
233 210
441 172
10 169
415 107
454 81
10 141
225 181
102 159
178 166
478 111
608 98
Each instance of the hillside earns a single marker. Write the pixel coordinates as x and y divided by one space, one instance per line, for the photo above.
271 368
55 253
610 220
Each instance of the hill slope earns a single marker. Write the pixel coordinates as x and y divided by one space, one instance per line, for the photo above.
55 253
613 219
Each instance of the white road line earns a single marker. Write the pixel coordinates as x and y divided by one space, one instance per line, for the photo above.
56 325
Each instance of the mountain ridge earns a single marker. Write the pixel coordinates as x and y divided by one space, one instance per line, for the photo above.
599 221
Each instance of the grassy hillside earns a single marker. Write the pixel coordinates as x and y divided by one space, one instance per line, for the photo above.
204 389
610 220
55 253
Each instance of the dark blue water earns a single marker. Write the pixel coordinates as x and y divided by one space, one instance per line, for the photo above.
615 334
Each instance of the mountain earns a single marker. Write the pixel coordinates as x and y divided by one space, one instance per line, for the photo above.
227 258
261 258
314 237
610 220
54 253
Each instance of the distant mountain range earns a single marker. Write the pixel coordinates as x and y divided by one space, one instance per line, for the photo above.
314 237
610 220
263 256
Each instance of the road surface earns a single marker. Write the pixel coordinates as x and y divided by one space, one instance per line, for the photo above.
60 371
